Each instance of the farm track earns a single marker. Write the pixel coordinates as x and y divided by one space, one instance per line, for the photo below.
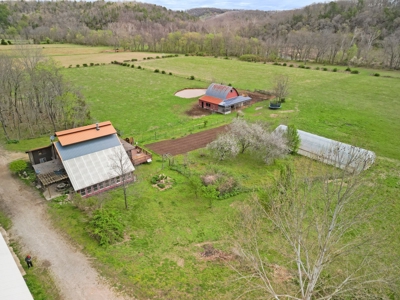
187 143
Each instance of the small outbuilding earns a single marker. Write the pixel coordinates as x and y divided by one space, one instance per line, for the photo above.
223 99
332 152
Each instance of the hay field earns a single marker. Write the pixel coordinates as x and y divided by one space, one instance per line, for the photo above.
72 55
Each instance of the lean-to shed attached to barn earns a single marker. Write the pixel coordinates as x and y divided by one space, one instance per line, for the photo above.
222 98
332 152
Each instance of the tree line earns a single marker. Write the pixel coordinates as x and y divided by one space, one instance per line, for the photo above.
362 32
35 99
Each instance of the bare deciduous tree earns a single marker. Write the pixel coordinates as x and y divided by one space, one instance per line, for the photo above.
122 168
321 227
281 87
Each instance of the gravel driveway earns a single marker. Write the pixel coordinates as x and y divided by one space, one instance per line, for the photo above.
71 270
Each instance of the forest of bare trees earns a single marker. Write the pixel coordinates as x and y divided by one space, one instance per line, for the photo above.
353 32
35 99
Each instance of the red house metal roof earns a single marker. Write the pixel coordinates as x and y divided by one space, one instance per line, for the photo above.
85 133
211 99
221 91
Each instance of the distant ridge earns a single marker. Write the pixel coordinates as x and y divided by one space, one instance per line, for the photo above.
204 12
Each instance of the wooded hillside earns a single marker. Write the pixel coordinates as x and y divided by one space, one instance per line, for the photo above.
362 32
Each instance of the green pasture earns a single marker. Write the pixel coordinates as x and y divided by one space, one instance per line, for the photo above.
140 102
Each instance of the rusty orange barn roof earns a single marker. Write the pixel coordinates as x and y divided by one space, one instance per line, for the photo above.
85 133
211 99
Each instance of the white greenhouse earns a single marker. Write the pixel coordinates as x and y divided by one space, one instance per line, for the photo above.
332 152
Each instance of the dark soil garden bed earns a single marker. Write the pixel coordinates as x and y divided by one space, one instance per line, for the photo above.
188 143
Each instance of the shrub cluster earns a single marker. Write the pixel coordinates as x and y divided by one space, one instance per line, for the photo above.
220 184
106 227
251 58
171 55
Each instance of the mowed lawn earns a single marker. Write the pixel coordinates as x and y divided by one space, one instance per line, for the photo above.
358 109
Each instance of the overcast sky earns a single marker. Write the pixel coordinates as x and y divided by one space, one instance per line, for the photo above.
240 4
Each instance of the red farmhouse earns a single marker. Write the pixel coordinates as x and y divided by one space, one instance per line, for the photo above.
222 99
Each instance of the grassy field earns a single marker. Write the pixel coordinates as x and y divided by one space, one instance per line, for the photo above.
166 231
138 102
72 55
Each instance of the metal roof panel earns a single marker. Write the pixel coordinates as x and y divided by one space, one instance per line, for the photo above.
87 147
219 91
95 167
85 133
233 101
211 99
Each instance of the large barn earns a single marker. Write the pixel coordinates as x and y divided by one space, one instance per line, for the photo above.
222 99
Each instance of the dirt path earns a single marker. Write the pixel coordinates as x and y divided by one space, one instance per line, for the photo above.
71 270
188 143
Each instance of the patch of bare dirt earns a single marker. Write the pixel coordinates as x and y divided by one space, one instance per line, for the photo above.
256 96
274 115
188 143
281 274
197 111
211 254
190 93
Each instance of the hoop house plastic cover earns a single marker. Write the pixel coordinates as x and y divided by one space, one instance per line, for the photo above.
332 152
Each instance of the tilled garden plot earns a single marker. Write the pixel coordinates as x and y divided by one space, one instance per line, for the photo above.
188 143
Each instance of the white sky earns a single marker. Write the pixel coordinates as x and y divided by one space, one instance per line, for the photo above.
240 4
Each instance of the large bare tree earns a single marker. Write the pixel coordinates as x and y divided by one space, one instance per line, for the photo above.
320 229
281 87
121 168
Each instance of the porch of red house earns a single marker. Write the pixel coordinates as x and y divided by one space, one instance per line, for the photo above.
140 156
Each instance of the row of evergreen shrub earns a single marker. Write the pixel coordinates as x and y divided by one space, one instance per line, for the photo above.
86 65
318 68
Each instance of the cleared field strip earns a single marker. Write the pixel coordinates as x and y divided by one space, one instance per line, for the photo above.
187 143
